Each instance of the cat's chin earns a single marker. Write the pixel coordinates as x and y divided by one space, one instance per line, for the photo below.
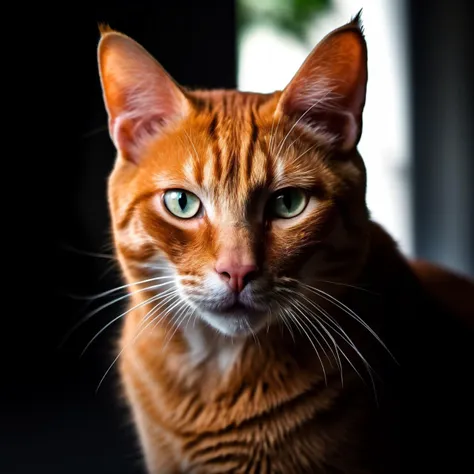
237 323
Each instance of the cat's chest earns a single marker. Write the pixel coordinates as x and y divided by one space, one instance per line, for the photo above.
232 421
238 407
209 352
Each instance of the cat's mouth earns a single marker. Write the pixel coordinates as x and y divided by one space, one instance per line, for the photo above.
234 315
234 305
237 319
236 309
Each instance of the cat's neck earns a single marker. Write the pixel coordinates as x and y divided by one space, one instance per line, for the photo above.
206 345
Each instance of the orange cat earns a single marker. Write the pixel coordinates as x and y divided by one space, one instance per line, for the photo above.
271 321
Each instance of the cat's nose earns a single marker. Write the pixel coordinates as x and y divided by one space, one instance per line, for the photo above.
237 276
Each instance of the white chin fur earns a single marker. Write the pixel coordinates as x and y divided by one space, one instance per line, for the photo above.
235 326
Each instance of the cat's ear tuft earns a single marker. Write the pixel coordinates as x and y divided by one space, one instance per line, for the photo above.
357 21
327 94
141 99
105 28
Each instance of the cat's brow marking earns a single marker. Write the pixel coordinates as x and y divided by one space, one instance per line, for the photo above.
130 210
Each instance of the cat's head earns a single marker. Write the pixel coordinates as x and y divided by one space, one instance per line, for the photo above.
242 198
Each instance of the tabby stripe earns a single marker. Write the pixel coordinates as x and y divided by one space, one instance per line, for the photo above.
257 467
208 106
193 409
231 104
131 208
235 161
211 445
251 147
268 416
226 458
212 127
224 105
262 466
269 162
144 253
216 450
232 168
239 392
215 146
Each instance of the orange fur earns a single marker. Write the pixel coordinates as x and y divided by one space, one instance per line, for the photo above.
282 389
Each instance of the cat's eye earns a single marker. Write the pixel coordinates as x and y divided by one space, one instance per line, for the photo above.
181 203
288 203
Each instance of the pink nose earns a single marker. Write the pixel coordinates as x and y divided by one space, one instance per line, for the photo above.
236 275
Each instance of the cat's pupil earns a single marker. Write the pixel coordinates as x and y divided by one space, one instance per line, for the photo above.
182 201
287 200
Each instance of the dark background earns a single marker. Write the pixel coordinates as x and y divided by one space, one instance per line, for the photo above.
56 158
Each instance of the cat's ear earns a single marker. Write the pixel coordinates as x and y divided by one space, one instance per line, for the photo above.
327 94
142 100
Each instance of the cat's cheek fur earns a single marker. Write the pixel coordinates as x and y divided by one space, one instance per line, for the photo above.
134 236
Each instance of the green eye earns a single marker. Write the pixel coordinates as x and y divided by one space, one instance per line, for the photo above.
288 203
182 204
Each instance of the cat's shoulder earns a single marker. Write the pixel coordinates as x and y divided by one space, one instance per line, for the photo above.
449 288
451 292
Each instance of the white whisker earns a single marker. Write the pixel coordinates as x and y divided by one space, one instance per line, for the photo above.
271 148
287 324
299 323
168 296
88 316
180 316
126 346
303 312
331 323
349 312
143 303
297 305
339 283
118 288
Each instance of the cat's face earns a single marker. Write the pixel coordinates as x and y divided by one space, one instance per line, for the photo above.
242 198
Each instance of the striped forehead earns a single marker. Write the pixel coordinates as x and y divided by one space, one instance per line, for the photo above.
232 162
232 153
